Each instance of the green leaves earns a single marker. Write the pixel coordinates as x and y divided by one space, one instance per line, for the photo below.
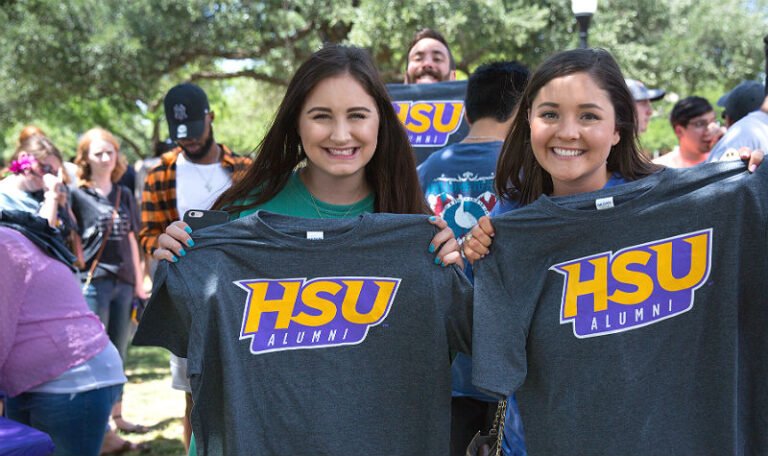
72 65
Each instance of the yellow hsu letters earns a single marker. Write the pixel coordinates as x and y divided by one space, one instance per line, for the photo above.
309 294
642 281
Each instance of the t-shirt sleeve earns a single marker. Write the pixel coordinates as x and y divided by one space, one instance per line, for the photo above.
167 320
459 321
500 328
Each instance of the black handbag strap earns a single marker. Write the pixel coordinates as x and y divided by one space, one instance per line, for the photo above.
104 240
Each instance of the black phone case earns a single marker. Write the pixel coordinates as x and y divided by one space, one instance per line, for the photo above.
198 218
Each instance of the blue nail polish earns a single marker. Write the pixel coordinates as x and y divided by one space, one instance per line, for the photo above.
174 259
190 242
182 252
437 260
431 248
432 218
442 263
188 230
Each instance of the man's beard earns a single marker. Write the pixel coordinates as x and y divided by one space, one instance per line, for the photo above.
195 156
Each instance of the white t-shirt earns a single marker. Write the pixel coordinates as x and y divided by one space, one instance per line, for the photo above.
198 186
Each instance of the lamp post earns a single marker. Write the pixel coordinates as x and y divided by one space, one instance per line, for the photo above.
583 10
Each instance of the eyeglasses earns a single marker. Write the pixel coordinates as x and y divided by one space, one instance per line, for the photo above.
701 124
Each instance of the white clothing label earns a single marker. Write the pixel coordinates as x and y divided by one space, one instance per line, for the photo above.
315 235
604 203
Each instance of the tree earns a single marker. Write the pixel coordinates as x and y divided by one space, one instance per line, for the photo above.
72 65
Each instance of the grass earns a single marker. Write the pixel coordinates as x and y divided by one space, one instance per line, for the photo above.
149 400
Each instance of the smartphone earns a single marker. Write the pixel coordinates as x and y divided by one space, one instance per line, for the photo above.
199 218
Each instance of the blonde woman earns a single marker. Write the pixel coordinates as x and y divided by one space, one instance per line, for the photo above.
109 220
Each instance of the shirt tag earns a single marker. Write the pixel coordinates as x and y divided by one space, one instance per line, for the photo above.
315 235
604 203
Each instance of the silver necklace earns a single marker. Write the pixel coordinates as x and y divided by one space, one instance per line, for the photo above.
206 182
317 209
482 138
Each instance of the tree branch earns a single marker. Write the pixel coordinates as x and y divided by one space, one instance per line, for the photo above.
240 54
237 74
126 139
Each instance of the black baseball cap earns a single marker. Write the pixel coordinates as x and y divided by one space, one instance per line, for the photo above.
744 98
186 106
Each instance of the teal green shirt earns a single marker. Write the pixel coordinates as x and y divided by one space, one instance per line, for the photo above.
295 200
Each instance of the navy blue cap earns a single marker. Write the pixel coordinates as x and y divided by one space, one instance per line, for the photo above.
743 99
186 106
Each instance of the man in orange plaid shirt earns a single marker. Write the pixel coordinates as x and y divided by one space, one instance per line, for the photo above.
191 176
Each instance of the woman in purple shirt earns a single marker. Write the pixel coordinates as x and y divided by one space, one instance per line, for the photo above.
57 365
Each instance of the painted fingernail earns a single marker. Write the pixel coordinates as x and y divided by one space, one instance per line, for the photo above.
752 168
190 242
442 263
174 258
437 260
182 252
431 248
188 230
432 218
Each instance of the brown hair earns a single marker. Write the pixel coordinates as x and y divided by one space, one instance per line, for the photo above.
29 130
40 147
519 177
391 173
81 157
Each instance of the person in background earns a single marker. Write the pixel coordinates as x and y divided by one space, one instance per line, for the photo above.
741 100
190 176
36 182
458 184
643 97
129 179
697 131
108 221
57 365
748 133
429 59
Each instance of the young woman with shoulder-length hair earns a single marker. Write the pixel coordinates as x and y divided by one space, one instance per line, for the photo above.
335 149
390 172
574 132
520 177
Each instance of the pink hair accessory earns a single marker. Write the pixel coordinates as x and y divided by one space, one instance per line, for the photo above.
20 165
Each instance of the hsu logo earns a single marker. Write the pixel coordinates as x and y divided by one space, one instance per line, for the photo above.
290 314
637 286
430 123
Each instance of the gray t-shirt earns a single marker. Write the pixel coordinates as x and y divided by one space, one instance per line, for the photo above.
637 329
314 336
